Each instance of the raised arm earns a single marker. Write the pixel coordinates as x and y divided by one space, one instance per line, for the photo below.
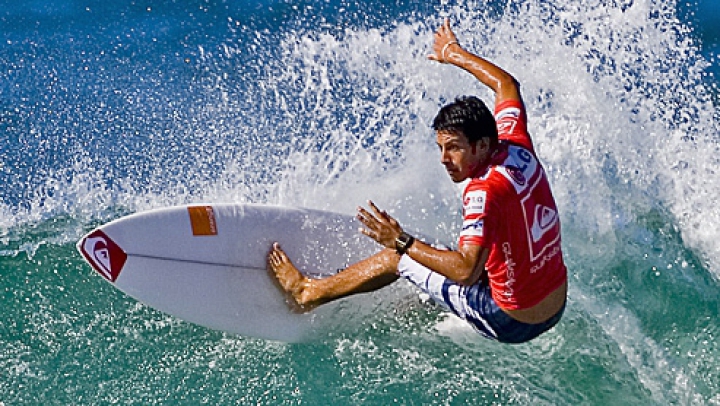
446 49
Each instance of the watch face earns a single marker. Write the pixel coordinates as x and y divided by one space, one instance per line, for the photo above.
402 242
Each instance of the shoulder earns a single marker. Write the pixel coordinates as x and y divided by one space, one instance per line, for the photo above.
475 196
490 186
513 108
511 119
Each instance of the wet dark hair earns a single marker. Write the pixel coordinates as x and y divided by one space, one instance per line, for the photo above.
467 115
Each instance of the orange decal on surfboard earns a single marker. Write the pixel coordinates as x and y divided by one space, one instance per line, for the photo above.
202 219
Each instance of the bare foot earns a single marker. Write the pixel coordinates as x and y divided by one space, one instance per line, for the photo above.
289 277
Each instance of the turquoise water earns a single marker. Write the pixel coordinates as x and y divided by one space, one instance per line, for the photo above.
112 108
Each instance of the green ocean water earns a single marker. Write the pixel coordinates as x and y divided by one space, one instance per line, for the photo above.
109 109
646 336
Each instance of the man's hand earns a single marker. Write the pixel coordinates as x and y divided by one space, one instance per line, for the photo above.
379 226
445 43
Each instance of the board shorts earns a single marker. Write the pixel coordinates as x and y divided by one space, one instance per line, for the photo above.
473 304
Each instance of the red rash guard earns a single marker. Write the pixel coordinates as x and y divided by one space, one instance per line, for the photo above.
508 207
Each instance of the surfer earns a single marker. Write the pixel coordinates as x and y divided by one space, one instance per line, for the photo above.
507 278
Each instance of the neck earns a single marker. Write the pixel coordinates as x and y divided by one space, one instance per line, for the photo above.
485 162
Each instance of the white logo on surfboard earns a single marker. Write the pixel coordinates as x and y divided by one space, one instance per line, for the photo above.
104 255
99 253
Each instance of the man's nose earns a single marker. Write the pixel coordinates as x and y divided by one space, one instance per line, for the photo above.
444 157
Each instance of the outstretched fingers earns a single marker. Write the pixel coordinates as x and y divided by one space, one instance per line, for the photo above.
373 221
379 225
382 215
443 38
367 219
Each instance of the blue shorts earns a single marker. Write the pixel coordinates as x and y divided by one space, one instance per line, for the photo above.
474 304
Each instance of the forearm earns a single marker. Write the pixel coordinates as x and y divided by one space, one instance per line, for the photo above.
464 266
500 81
460 267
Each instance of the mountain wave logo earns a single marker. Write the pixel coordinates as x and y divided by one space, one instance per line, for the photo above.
545 219
106 257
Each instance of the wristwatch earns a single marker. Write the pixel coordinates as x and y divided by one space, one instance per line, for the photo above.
403 242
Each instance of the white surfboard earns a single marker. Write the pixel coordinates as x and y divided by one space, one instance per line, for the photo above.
206 264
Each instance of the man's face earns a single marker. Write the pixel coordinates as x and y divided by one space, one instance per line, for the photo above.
460 158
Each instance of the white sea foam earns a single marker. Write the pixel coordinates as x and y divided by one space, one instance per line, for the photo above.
618 106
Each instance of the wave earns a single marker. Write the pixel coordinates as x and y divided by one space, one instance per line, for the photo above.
286 111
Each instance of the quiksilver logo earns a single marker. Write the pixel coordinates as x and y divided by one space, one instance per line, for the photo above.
106 257
101 255
545 219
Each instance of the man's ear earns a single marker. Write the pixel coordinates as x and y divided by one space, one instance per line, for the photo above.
483 144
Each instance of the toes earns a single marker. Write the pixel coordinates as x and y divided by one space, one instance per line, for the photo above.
276 257
272 260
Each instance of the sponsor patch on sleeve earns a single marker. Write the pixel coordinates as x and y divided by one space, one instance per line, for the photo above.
474 202
473 228
507 120
508 112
